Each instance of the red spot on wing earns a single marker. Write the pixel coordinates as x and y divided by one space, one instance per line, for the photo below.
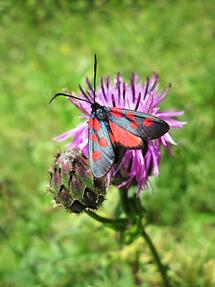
96 155
124 137
115 109
116 112
111 137
134 125
103 142
130 115
90 123
94 137
147 122
96 125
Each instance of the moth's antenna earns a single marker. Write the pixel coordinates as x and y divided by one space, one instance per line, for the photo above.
68 96
94 82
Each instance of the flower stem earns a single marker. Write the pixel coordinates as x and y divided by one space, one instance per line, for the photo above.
160 266
118 223
123 192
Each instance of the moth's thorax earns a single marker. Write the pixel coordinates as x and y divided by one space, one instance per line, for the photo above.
99 111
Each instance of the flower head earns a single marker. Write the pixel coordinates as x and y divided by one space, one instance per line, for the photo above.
136 165
72 183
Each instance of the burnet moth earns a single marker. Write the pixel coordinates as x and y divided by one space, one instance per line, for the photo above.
112 127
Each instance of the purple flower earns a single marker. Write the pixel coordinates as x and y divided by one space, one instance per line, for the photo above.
135 165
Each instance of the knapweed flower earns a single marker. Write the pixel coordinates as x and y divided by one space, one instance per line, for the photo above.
135 165
72 183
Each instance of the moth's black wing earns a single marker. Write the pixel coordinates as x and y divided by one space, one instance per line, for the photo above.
101 153
145 126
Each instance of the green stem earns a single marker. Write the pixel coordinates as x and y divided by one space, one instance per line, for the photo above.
160 266
118 223
124 199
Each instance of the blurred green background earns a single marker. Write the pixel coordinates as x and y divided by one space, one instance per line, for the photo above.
48 45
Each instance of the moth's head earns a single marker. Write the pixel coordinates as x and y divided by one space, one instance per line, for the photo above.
95 106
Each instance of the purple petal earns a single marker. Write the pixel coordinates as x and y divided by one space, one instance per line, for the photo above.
71 132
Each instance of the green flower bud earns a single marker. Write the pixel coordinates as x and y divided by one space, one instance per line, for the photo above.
72 183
